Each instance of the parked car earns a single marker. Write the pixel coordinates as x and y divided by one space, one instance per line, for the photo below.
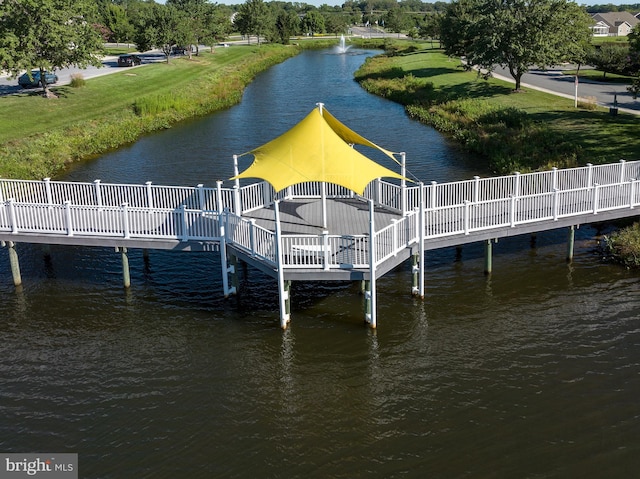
129 60
33 81
178 50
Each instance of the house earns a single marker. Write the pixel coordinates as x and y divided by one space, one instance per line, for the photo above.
613 24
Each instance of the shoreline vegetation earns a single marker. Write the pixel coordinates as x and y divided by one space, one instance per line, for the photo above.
512 131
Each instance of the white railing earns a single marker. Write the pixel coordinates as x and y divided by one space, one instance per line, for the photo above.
121 221
193 213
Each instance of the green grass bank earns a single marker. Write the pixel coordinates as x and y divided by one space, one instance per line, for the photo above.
40 137
512 131
522 132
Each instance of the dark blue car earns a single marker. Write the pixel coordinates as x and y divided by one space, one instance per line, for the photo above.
34 81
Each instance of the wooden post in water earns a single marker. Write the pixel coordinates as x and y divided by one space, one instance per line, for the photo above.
233 270
415 269
488 260
14 262
570 243
126 275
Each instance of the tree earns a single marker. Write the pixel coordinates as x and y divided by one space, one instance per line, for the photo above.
313 22
396 21
335 23
286 25
253 18
116 19
162 26
515 34
430 28
217 25
633 66
609 58
48 35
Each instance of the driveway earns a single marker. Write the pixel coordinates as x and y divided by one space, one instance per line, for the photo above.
555 82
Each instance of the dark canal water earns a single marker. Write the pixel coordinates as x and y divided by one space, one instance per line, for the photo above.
533 372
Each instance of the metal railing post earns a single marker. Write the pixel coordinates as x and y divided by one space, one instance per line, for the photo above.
125 220
596 193
149 195
183 214
512 213
252 236
219 206
98 193
589 175
622 170
325 249
476 189
632 192
433 194
201 196
556 199
47 189
466 216
67 214
12 215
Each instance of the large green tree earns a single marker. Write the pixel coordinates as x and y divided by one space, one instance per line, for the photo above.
313 22
253 18
515 34
634 61
162 26
48 35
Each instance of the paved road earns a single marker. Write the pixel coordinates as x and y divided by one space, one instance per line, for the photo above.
109 65
554 81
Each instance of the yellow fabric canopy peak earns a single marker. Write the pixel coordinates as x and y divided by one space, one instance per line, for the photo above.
317 149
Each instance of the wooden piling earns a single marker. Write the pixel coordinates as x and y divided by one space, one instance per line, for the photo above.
570 243
488 260
126 274
15 263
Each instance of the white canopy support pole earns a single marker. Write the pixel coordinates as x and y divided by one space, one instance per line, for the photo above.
323 193
421 223
320 107
371 316
403 182
283 290
223 258
237 209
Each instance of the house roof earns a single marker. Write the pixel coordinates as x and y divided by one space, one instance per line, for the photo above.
318 148
613 19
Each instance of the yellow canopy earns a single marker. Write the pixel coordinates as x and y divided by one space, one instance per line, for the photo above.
317 149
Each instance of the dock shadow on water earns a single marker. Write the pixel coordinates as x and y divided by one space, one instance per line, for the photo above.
532 371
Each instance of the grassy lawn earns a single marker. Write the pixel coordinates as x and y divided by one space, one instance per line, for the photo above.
116 109
600 76
103 96
513 131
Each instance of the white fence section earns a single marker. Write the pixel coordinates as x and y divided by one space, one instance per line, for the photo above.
198 213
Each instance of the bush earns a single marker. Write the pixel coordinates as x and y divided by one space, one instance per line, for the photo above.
588 103
77 80
623 246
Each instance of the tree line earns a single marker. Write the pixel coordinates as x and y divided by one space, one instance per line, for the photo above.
516 34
